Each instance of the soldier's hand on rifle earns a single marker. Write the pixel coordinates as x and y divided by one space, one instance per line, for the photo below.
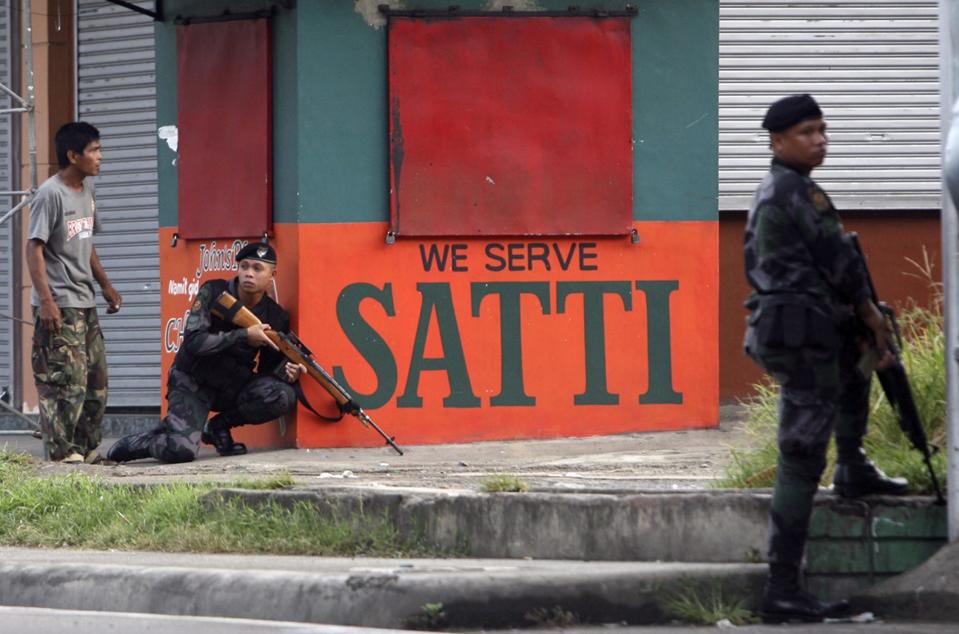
882 332
256 336
293 371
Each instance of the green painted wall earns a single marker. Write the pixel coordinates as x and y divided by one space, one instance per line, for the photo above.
854 545
330 110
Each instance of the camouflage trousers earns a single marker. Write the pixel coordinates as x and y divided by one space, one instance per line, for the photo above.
177 438
821 393
70 371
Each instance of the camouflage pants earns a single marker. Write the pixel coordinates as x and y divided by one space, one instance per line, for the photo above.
70 371
177 439
821 392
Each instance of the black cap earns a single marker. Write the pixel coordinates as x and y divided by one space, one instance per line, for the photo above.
257 251
789 111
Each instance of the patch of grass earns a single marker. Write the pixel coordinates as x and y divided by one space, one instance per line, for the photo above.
708 606
432 616
504 483
84 512
922 357
555 617
279 481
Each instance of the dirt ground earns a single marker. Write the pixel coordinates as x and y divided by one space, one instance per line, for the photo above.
680 460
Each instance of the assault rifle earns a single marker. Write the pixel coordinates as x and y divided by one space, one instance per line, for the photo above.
895 384
227 307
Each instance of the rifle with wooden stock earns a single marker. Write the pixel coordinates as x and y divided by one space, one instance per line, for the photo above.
228 308
895 384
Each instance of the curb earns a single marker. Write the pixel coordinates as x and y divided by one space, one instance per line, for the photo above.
704 527
929 592
489 594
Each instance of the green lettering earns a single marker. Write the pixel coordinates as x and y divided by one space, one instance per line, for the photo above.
512 391
594 334
371 346
659 359
437 297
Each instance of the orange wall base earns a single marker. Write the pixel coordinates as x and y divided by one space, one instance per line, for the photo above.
890 244
425 345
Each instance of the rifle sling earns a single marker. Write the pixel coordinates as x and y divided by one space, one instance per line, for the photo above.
301 397
230 313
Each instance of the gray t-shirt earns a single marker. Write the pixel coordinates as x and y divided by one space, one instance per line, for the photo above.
65 220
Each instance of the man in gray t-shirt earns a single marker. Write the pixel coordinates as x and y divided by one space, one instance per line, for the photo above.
68 357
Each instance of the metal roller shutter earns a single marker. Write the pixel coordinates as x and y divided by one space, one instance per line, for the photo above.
116 92
874 68
7 287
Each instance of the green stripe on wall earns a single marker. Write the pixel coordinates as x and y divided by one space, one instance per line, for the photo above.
330 115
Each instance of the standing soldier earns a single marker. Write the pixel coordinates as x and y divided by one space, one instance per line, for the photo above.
237 372
810 293
69 361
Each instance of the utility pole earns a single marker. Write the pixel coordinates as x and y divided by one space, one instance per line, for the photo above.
949 92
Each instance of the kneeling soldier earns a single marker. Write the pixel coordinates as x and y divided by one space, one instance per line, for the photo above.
214 371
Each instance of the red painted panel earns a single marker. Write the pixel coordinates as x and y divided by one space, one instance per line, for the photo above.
225 147
510 126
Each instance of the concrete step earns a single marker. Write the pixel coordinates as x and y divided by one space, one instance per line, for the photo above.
715 526
695 526
471 593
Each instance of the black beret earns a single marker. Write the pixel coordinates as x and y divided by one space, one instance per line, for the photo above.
789 111
257 251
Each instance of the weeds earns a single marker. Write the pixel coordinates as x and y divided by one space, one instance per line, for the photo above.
553 618
432 616
887 446
279 481
504 484
708 606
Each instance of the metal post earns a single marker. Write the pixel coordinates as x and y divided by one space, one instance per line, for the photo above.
31 94
949 83
27 104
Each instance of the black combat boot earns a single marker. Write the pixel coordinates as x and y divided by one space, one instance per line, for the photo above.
857 476
216 432
132 447
785 601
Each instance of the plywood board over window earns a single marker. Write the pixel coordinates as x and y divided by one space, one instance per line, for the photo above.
510 126
224 118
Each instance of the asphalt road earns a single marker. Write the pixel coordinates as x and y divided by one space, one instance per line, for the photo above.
16 620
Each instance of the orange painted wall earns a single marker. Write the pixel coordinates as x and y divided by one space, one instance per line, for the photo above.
553 348
889 242
332 257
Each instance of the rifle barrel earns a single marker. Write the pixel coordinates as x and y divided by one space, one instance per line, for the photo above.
366 420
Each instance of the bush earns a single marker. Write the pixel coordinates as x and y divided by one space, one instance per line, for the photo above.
922 355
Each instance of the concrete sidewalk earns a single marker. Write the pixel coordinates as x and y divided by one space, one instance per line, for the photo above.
46 621
672 461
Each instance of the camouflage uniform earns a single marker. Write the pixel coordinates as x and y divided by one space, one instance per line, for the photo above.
214 370
70 369
806 277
